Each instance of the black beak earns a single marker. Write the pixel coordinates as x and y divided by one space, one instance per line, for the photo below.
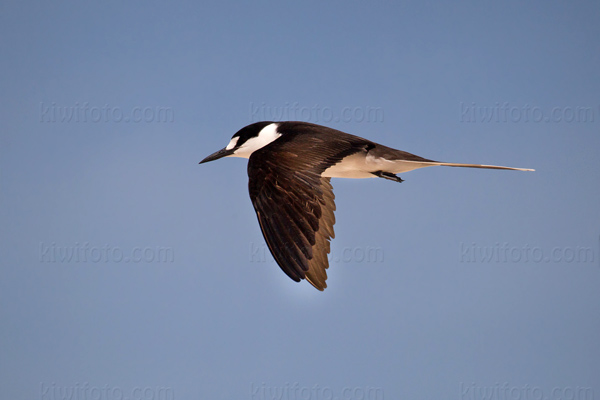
216 155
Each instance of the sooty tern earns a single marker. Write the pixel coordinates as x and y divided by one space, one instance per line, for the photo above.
290 167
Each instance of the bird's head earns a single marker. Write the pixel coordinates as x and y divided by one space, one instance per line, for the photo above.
247 140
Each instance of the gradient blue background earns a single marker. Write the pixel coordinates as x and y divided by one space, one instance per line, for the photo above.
217 322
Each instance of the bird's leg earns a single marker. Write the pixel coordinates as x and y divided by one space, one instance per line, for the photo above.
388 175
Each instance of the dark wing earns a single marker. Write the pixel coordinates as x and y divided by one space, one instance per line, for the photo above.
294 204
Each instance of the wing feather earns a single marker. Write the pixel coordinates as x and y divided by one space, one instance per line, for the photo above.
294 204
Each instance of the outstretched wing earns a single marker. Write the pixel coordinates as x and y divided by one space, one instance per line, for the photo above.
294 204
297 224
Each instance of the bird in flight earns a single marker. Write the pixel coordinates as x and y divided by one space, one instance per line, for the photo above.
290 165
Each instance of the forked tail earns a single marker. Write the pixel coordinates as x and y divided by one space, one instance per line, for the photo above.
480 166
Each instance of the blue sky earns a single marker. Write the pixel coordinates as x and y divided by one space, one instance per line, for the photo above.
130 271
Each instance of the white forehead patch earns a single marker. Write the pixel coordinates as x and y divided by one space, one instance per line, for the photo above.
233 142
266 135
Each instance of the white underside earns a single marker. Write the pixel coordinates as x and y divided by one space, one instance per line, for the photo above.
358 166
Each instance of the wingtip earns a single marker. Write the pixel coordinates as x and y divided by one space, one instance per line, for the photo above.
320 286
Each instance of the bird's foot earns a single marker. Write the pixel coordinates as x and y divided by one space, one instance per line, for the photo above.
388 175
